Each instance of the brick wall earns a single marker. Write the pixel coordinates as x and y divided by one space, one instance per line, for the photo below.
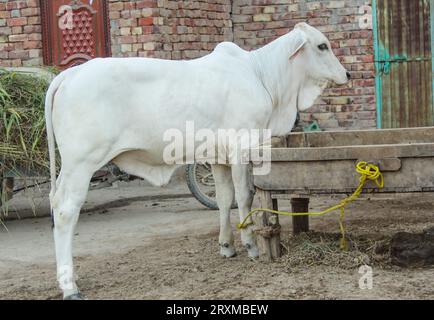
257 22
169 29
133 27
20 34
190 29
147 28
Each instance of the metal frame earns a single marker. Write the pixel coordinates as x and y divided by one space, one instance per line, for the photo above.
378 79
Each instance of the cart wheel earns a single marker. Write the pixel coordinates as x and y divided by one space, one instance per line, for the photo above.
200 181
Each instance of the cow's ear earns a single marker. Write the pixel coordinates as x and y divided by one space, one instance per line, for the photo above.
298 41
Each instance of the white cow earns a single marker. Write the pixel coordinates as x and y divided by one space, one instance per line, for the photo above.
117 109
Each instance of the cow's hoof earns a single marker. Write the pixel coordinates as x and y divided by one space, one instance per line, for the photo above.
75 296
227 251
252 251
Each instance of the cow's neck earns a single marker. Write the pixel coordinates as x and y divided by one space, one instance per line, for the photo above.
274 69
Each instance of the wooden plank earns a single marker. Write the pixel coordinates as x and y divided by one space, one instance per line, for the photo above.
416 174
416 150
388 164
302 193
361 137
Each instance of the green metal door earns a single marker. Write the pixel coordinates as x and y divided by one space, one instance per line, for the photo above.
403 61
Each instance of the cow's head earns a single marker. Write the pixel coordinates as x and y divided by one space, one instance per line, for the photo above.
314 51
315 61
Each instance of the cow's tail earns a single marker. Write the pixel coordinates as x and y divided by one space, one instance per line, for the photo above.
49 100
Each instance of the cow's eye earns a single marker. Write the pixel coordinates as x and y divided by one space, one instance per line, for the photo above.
323 47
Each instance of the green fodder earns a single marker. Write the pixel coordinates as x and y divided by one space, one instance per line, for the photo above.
322 249
22 124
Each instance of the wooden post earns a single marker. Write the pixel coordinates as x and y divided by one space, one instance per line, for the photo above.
267 228
6 189
300 223
9 187
1 189
276 251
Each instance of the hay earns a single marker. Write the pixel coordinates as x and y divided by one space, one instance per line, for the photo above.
23 144
315 249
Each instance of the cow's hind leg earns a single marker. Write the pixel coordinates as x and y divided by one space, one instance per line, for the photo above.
72 190
244 192
225 198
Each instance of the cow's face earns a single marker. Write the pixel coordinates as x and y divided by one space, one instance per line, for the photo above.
316 57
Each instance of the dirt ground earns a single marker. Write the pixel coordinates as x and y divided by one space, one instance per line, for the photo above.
138 242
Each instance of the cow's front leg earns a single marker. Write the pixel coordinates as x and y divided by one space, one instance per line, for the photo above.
225 198
244 192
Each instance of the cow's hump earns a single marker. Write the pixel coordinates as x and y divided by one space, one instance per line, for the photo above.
230 49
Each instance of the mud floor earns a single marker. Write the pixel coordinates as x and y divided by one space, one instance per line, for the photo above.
135 242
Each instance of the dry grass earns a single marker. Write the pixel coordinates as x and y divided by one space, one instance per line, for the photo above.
22 123
23 146
316 248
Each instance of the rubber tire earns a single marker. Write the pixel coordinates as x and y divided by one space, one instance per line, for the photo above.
195 190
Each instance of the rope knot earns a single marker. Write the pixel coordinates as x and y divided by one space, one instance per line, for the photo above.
370 171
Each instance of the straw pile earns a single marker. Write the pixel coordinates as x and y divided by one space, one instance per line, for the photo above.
23 144
316 248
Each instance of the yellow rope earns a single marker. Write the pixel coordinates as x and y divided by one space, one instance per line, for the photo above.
367 172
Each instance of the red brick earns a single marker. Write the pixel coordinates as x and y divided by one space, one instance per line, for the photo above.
34 20
16 5
148 29
5 14
32 3
27 12
32 45
13 22
146 4
17 30
130 5
147 21
19 54
127 39
116 6
32 29
18 37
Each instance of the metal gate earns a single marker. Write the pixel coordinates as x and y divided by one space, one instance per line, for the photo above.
403 60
